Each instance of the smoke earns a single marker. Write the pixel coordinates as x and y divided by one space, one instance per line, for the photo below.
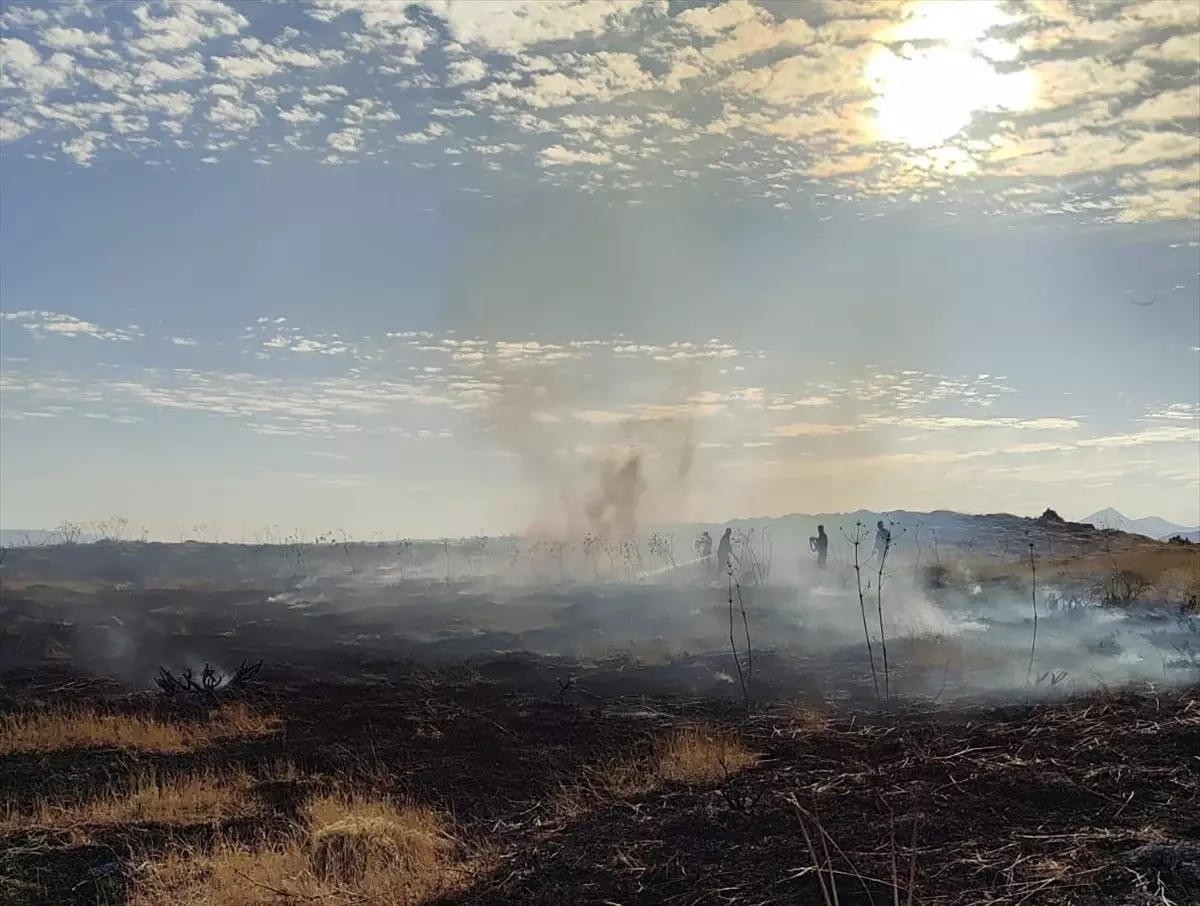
637 470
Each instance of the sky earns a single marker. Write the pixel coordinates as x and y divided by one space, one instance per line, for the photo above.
451 267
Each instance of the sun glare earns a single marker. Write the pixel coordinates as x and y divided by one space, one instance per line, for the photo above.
927 95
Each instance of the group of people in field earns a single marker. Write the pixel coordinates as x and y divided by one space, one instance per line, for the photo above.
818 544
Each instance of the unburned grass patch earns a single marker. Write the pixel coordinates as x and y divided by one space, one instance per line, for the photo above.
79 728
701 755
347 850
207 797
694 755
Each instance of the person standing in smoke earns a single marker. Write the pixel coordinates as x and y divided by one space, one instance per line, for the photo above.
819 544
883 541
724 551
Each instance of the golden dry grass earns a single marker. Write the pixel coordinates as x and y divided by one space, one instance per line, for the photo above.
191 799
349 851
805 716
354 839
701 755
73 728
693 755
1169 572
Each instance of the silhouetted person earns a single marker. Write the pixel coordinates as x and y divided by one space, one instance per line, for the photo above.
819 544
724 551
883 541
704 545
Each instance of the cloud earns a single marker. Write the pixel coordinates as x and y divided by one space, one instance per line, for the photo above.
466 72
48 323
932 103
557 155
516 25
811 429
73 38
233 115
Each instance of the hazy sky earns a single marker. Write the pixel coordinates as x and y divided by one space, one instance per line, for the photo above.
425 268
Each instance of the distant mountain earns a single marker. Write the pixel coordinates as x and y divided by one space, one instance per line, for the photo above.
1193 537
1150 526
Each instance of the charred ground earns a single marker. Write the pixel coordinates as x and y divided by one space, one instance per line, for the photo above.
629 773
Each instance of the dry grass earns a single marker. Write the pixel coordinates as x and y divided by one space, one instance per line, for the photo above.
192 799
939 652
353 840
701 755
1168 572
349 851
70 728
696 755
805 716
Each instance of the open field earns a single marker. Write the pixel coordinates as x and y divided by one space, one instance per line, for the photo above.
475 739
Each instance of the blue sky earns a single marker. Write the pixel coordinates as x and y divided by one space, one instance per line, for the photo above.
431 268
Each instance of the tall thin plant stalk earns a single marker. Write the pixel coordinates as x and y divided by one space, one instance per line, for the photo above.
1033 644
737 661
745 629
856 542
887 687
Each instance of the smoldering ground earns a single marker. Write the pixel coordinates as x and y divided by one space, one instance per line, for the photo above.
577 607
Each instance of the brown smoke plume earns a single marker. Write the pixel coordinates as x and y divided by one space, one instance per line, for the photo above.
640 475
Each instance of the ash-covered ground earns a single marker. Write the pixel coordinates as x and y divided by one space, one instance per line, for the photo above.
805 630
541 708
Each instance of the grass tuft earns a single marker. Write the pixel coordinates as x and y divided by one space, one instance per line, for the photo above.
80 728
349 851
701 755
191 799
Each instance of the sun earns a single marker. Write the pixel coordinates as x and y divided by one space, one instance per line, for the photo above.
927 94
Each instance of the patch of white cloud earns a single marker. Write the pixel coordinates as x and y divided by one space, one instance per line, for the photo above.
914 100
48 323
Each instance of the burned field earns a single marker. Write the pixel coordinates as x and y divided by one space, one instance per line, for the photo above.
421 742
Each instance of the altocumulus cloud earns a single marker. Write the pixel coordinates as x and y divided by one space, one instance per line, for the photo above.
1006 106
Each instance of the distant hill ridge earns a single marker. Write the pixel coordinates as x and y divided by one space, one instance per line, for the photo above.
1150 526
949 526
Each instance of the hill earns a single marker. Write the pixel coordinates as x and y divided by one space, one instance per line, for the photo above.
1150 526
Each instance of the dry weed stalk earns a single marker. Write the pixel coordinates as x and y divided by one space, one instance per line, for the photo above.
856 541
744 678
827 875
1033 644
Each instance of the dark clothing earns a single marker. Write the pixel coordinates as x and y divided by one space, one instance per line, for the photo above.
820 544
724 552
